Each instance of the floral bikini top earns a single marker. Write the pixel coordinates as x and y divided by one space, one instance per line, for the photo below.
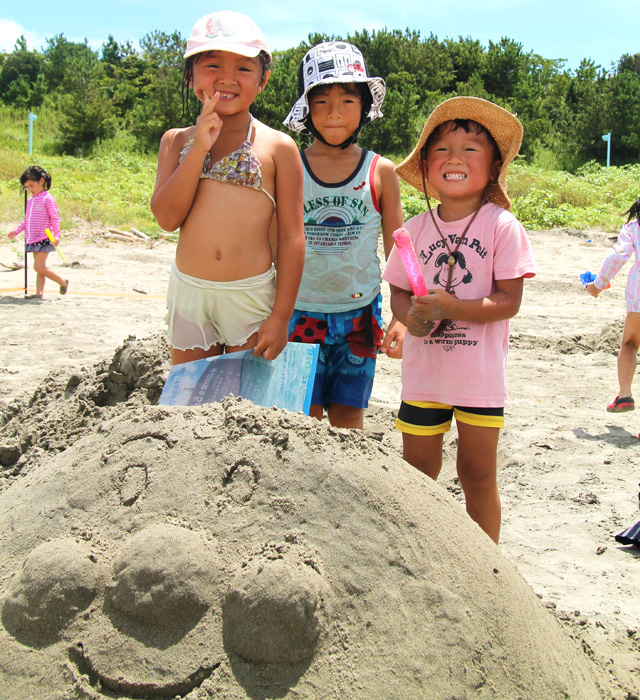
241 167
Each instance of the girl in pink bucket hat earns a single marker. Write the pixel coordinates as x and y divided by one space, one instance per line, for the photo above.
221 183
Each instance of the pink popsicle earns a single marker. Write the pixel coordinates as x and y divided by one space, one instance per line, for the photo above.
410 261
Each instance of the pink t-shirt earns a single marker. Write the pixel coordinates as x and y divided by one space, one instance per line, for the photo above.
466 365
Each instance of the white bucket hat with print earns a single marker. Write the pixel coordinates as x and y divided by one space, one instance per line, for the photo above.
326 64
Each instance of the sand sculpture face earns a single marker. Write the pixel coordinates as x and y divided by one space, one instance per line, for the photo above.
234 551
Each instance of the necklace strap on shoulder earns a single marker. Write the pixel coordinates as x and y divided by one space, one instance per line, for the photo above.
464 233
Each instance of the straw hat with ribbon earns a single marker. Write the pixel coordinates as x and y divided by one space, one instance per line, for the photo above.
501 124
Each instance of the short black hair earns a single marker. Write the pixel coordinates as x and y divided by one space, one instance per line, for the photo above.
468 126
360 89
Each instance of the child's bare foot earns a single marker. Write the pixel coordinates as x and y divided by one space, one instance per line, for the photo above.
64 287
33 296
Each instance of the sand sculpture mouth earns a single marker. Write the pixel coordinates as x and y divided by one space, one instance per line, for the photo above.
163 582
86 670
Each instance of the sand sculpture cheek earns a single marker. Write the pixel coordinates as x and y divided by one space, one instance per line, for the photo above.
164 576
276 612
58 580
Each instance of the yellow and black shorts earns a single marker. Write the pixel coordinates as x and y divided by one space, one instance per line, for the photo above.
432 418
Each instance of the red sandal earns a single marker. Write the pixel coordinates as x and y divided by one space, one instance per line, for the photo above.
621 405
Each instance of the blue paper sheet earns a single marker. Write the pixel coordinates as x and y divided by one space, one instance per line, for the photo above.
286 382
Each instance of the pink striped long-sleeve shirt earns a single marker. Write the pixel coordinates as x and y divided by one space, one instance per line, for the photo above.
41 213
628 242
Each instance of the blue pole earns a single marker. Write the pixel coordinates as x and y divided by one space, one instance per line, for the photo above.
607 138
32 118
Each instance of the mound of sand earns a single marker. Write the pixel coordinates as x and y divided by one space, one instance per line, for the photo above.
241 552
608 341
63 407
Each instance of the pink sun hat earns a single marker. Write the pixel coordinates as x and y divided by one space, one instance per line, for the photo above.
227 31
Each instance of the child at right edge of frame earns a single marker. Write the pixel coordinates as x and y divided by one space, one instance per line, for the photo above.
474 256
628 244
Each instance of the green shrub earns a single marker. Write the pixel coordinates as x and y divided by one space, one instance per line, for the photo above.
594 198
112 188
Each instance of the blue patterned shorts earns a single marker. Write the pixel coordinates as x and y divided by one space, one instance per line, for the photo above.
349 343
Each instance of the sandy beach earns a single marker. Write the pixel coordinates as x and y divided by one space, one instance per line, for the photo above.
568 477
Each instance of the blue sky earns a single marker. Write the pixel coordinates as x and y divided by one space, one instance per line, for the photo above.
571 30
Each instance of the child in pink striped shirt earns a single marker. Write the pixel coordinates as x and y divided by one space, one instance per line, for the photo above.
41 214
628 242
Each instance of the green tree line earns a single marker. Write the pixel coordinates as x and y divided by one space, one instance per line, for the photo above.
96 96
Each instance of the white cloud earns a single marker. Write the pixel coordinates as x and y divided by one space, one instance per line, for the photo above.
10 31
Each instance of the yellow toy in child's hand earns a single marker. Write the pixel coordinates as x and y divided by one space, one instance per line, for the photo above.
51 238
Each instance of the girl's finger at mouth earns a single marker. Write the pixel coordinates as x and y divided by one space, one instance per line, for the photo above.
208 99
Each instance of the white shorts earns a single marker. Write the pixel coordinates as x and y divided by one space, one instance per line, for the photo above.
202 313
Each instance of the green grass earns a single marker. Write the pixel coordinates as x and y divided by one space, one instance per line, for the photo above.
592 199
112 188
112 191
